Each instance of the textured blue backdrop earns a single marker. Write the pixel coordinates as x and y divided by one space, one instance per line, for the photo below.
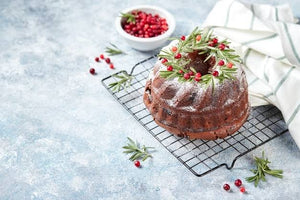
61 132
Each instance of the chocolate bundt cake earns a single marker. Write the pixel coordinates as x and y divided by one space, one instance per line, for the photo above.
198 89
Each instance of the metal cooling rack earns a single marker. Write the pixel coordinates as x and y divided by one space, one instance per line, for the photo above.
199 156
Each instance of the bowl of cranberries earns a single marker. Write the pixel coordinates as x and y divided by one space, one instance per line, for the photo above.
145 27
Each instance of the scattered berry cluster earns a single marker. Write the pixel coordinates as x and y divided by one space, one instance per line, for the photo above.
237 183
145 25
98 59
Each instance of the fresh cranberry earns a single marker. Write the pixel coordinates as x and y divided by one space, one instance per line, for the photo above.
146 25
92 71
221 62
215 73
97 59
198 37
177 56
180 71
226 187
197 79
222 46
164 60
211 44
111 66
198 75
174 49
182 38
229 65
215 40
242 189
170 68
102 56
107 60
191 73
186 76
238 182
137 163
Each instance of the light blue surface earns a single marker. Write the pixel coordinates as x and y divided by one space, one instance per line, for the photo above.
61 132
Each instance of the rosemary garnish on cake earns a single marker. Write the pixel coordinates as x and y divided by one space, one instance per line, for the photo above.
204 43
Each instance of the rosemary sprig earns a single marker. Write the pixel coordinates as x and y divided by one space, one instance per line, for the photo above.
129 17
123 82
114 50
137 151
202 46
262 169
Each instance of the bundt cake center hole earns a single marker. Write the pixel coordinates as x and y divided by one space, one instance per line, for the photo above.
197 62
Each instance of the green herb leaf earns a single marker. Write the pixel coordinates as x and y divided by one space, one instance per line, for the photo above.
262 169
123 82
130 17
137 151
114 50
203 46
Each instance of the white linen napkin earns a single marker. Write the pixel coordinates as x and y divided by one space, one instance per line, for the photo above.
269 41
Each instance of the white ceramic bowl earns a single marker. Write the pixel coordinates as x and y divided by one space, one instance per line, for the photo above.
147 44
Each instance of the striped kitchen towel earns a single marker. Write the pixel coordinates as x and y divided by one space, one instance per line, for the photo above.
268 40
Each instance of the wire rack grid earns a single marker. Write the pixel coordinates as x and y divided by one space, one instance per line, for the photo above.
199 156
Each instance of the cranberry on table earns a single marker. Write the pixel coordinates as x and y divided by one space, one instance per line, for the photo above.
242 189
226 187
97 59
111 66
107 60
238 182
92 71
137 163
102 56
